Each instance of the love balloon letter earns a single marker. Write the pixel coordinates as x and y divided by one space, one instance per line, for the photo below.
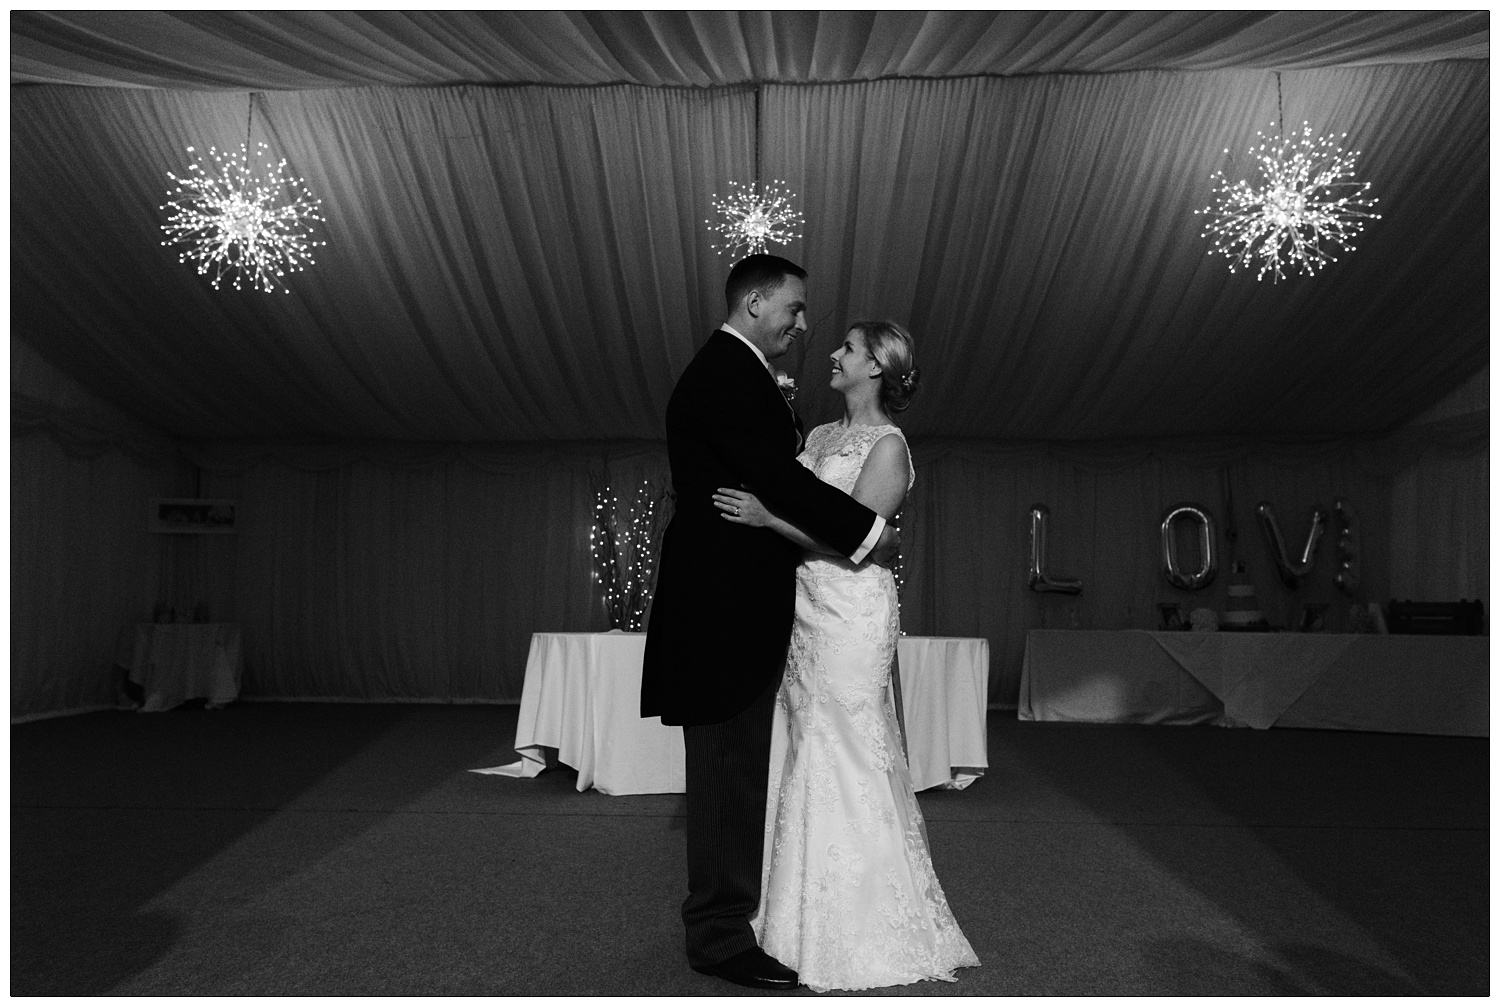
1208 555
1291 572
1036 577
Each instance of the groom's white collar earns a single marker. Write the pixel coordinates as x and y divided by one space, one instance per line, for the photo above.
753 348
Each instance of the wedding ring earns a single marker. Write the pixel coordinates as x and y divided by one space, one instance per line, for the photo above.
736 512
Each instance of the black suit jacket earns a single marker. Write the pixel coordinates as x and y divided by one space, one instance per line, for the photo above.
721 617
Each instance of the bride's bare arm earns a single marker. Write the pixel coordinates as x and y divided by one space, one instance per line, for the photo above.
744 507
881 486
882 481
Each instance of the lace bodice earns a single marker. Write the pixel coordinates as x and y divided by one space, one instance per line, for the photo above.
836 453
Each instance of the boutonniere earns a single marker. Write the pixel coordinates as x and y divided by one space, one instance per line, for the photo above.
787 386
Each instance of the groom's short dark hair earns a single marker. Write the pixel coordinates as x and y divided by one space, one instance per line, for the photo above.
761 272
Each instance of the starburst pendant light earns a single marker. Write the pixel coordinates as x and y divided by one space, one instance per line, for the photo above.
1305 206
754 215
242 218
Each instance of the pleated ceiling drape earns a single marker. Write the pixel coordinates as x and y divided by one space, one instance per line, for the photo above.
502 264
532 264
302 50
1039 237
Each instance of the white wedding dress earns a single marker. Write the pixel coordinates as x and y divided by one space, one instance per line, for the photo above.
848 895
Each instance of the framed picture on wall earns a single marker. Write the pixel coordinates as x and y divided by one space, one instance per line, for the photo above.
189 516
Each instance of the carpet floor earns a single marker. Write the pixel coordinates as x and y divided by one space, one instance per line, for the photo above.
303 848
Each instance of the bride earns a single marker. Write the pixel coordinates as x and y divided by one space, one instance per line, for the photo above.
848 895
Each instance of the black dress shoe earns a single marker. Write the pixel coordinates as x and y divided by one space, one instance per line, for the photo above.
752 967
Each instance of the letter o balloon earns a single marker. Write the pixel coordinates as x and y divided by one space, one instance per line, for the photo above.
1208 564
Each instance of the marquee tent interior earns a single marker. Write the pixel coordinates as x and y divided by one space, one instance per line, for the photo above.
517 268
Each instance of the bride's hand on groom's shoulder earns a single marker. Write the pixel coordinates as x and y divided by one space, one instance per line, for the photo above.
740 507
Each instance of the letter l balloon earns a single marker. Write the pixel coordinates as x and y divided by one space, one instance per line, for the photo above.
1036 577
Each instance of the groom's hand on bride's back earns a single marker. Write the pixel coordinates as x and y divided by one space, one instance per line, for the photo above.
886 547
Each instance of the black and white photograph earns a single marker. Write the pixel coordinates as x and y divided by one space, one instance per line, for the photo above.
708 503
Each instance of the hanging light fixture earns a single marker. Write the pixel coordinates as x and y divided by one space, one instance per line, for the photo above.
754 215
1306 205
242 218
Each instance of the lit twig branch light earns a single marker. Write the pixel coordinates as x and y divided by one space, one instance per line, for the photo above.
1306 207
754 215
232 219
625 546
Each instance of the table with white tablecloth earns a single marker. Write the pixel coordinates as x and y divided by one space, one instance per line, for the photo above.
1364 682
173 662
582 693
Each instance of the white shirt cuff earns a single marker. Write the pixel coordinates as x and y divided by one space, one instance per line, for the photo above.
870 540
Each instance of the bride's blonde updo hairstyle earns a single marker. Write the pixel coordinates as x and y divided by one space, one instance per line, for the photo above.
891 346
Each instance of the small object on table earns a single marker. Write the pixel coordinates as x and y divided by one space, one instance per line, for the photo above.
1451 618
1242 610
1171 615
1313 618
1204 620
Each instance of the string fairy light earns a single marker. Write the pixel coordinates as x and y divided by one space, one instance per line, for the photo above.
1306 206
624 546
244 218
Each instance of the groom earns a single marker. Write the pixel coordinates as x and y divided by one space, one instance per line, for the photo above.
722 614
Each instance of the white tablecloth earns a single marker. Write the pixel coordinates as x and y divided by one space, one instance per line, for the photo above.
1409 684
945 689
175 662
582 697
